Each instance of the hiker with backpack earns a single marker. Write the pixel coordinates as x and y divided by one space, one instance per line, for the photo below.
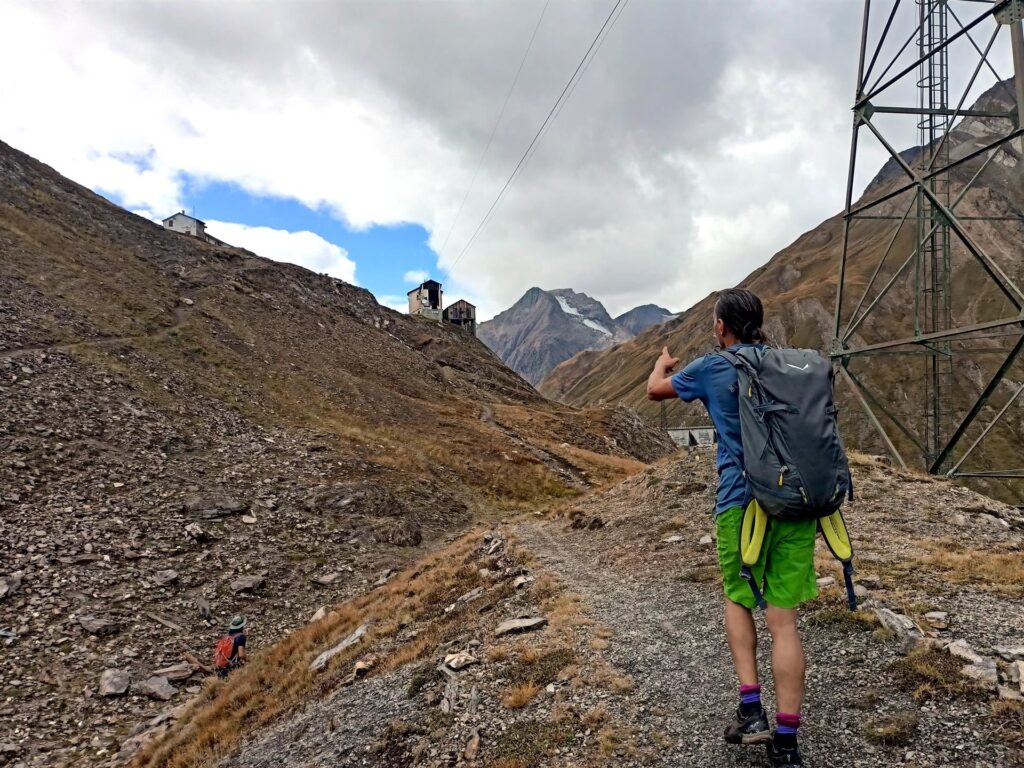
782 474
229 652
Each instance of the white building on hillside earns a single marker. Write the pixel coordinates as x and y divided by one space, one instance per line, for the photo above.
188 225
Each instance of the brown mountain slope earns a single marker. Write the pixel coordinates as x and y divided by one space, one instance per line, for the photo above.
631 668
189 431
798 286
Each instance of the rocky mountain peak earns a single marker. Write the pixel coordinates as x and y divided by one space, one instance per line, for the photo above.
544 328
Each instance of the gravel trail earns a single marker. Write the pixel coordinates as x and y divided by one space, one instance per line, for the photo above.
669 637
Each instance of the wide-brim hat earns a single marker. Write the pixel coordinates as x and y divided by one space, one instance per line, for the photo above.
237 623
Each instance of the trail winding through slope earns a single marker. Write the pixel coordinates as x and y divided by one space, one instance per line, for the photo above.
179 316
669 637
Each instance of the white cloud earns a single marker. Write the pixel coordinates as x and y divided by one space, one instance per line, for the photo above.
306 249
686 125
416 276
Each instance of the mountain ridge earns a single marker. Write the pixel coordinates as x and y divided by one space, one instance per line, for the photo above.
545 327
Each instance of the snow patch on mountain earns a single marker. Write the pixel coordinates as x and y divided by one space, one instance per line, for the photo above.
568 308
596 326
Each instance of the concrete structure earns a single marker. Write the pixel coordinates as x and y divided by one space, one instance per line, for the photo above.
693 437
426 300
462 314
188 225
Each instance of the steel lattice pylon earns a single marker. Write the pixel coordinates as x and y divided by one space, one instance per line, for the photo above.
919 88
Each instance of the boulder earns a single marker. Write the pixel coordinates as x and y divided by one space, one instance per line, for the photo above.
472 746
902 626
214 507
515 626
113 682
522 581
100 627
937 619
706 541
248 583
321 661
962 650
459 660
826 581
165 577
675 538
156 687
1010 652
319 614
10 584
1010 693
984 673
197 533
325 579
181 671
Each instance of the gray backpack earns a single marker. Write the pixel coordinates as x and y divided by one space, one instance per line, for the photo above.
794 462
793 458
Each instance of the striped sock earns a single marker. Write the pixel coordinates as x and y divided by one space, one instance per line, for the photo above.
750 699
786 724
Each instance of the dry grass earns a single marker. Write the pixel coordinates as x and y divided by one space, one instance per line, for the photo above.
497 653
1008 722
599 644
892 730
1000 572
929 673
540 666
278 679
527 742
844 618
565 612
616 740
595 716
518 696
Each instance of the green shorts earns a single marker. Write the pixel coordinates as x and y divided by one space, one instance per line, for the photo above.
785 569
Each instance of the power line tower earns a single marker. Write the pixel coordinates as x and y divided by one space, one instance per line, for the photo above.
908 245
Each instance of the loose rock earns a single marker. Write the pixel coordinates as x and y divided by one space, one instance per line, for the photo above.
99 626
248 583
156 688
515 626
113 682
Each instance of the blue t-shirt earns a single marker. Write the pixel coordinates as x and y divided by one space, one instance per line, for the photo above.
712 380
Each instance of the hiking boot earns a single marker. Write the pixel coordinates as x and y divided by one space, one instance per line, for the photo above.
782 756
752 729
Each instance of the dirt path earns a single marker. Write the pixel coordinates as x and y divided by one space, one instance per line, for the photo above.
568 471
179 315
669 637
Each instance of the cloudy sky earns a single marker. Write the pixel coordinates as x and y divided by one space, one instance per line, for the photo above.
345 135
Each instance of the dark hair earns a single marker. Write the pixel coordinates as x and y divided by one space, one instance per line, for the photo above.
742 313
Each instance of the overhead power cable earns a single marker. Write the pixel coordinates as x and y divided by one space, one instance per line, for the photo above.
494 130
552 113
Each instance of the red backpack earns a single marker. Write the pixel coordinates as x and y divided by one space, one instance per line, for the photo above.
222 652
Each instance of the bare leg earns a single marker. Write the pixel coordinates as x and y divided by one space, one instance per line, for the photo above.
787 658
742 636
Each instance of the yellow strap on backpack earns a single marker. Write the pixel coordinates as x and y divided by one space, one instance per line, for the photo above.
833 529
755 523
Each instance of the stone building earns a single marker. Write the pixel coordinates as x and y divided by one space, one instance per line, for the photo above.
426 300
